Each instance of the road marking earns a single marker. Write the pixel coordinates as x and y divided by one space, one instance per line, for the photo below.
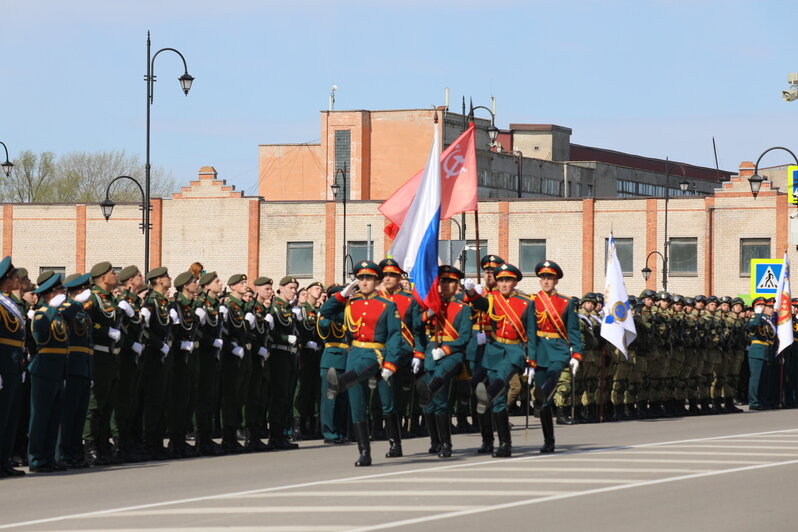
278 528
656 460
498 480
535 469
414 493
291 509
327 482
527 502
747 452
749 448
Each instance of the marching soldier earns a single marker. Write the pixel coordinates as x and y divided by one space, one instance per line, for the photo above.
332 411
12 357
440 342
375 329
26 301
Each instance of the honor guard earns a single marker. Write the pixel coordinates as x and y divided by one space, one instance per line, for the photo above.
332 410
440 342
234 361
762 336
307 394
376 339
12 357
258 339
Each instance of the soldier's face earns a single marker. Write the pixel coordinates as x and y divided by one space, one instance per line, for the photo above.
724 307
737 308
110 279
367 284
215 286
488 279
289 291
712 307
795 311
448 288
265 292
506 285
302 297
588 306
192 287
240 288
663 303
677 307
390 281
699 305
314 291
548 282
405 285
648 302
768 310
136 283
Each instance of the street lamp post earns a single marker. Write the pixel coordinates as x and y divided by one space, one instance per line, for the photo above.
107 205
336 189
8 165
647 271
683 187
185 84
756 180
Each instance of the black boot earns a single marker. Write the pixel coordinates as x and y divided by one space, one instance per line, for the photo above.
206 446
363 443
254 444
547 424
392 430
277 439
486 429
564 415
730 406
434 436
230 441
718 405
175 449
155 447
692 409
583 415
504 450
463 426
444 424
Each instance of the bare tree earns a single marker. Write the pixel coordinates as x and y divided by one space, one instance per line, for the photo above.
31 178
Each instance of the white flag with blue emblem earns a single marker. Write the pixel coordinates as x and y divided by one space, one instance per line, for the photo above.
618 326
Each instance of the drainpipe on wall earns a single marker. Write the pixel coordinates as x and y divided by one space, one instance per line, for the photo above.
565 180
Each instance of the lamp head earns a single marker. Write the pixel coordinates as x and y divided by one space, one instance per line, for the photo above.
185 82
755 181
7 166
107 206
646 273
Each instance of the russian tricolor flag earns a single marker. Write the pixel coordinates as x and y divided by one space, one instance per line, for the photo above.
416 245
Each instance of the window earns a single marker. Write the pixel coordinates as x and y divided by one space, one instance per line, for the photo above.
550 187
530 252
624 250
56 269
471 255
683 256
342 152
359 251
299 259
752 248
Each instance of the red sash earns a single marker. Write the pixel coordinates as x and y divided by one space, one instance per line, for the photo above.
553 314
509 314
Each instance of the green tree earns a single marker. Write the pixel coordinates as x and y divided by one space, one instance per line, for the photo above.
31 178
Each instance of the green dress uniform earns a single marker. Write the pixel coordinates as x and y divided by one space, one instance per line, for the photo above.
282 369
78 379
126 414
258 339
332 411
235 362
762 336
306 403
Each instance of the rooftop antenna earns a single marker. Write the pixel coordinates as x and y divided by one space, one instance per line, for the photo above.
332 97
446 97
493 104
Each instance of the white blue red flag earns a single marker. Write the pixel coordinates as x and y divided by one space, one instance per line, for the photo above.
618 326
416 245
783 308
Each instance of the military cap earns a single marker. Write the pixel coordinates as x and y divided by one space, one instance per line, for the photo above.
76 280
333 288
600 297
47 281
795 301
367 267
390 266
739 301
157 272
689 302
449 272
22 273
491 262
127 273
236 278
726 299
183 279
506 270
101 268
677 299
314 283
771 301
648 293
206 278
548 267
262 281
712 299
700 299
759 301
590 297
662 295
288 279
6 268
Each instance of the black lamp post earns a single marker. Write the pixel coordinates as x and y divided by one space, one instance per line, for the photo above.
647 271
756 180
8 165
336 189
683 187
185 84
493 134
107 205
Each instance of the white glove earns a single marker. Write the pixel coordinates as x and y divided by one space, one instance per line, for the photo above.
218 343
386 374
270 320
574 363
250 317
1 382
202 315
238 351
83 296
114 334
482 338
292 339
174 316
165 349
430 313
350 289
312 345
223 310
297 312
126 308
529 373
137 348
479 289
264 353
31 314
185 345
415 364
145 315
468 285
57 300
438 353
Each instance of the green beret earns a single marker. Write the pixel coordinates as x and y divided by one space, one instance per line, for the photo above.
315 283
207 278
22 273
261 281
235 279
77 280
157 272
127 273
183 279
100 268
288 280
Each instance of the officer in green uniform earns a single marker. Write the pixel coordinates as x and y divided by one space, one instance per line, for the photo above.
127 420
791 364
307 393
12 341
25 300
660 355
264 293
762 335
235 362
208 353
282 362
739 343
258 339
155 361
182 390
693 361
332 411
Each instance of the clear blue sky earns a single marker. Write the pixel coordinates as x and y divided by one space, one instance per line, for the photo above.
657 78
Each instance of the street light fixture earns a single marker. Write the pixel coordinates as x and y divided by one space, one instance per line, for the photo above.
683 187
756 180
107 205
8 165
647 271
336 190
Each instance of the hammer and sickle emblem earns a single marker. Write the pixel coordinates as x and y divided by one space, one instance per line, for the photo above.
454 163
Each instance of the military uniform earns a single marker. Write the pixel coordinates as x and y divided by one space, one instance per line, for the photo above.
258 339
310 351
333 411
235 367
762 336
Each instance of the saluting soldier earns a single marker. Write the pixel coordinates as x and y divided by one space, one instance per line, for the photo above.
376 339
282 362
762 336
307 393
79 374
12 357
158 320
440 342
25 299
332 411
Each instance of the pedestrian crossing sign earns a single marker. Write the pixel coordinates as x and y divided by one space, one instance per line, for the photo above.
765 275
792 184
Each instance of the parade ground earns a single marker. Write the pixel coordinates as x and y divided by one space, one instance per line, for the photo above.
730 472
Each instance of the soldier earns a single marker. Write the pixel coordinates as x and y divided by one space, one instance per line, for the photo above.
307 395
158 320
258 339
639 376
440 342
102 311
206 308
587 379
126 414
259 404
376 332
762 335
715 344
26 300
677 371
332 411
12 357
693 361
182 391
660 355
